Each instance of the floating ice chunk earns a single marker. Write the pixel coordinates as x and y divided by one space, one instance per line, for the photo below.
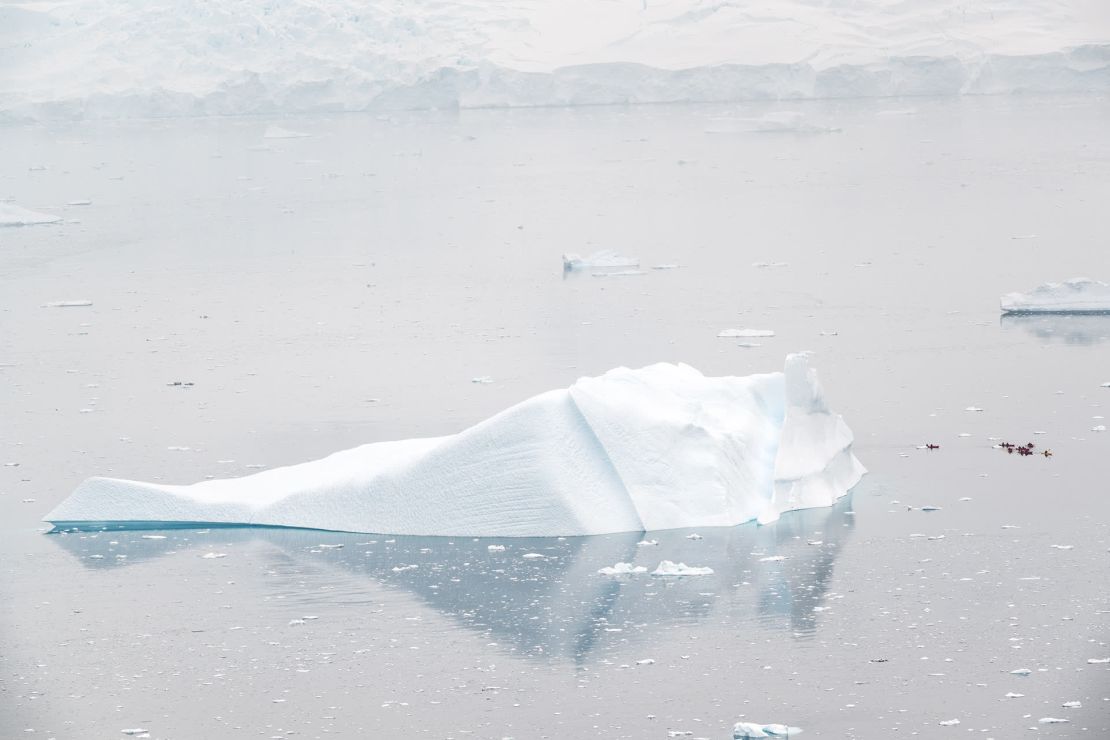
1097 661
973 408
277 132
1063 547
1072 705
214 555
496 548
693 536
646 661
948 722
1021 672
671 568
1078 295
745 333
81 202
1104 385
602 259
666 266
622 569
657 448
748 730
1052 721
532 556
764 265
13 215
296 622
1099 428
1012 695
772 559
647 543
618 273
930 508
134 731
482 380
154 537
67 304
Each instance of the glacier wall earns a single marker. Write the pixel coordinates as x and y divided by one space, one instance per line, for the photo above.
661 447
141 58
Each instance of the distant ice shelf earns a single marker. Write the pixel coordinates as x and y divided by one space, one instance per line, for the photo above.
1078 295
66 60
661 447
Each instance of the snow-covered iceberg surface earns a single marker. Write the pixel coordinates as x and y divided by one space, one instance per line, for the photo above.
1078 295
661 447
65 59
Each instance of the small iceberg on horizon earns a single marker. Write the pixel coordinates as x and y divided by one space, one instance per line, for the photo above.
605 259
662 447
1078 295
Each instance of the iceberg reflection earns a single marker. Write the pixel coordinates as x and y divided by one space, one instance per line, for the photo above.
1080 329
556 606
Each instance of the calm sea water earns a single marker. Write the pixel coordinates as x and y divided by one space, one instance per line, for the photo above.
343 288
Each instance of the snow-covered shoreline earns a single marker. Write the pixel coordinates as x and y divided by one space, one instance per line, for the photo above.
89 59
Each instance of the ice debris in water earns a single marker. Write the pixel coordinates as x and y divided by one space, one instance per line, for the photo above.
496 548
482 380
764 444
532 556
67 304
1052 721
134 731
13 215
1021 672
1097 661
948 722
1078 295
671 568
622 569
747 730
604 258
214 555
1072 705
745 333
276 132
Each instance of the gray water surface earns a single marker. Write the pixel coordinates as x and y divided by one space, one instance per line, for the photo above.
325 292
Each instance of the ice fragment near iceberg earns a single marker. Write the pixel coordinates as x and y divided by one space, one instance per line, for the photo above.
661 447
604 258
746 730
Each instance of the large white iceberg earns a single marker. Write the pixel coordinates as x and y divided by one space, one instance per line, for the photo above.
13 215
661 447
92 58
1078 295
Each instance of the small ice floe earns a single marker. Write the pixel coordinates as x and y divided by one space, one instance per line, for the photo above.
214 555
154 537
13 215
764 265
179 448
277 132
693 536
666 266
963 434
973 408
1072 705
647 543
747 730
403 568
532 556
748 345
622 569
744 333
1052 721
606 258
1021 672
1012 695
134 731
482 379
1062 547
496 548
1098 661
948 722
80 202
618 273
1099 428
67 304
1104 385
930 508
646 661
828 333
772 558
671 568
296 622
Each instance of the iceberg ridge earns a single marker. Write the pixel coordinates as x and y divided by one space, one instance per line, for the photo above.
662 447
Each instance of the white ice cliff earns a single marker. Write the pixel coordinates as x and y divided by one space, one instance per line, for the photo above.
124 58
1078 295
661 447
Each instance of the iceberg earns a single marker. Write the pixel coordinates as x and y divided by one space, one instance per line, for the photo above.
745 730
606 258
13 215
661 447
1078 295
